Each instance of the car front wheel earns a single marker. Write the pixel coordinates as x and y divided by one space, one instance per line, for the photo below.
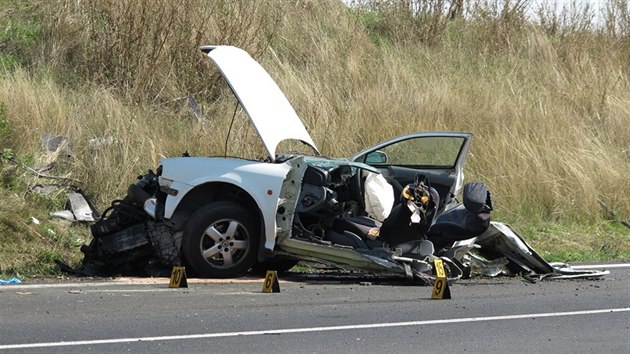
220 240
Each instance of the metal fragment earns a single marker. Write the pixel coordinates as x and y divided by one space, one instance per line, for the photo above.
80 207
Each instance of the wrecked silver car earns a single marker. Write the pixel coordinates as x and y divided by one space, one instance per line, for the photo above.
389 209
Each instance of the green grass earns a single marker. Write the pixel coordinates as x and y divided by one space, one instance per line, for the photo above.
31 248
579 242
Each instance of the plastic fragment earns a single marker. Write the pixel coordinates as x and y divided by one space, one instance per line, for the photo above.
10 281
64 214
80 207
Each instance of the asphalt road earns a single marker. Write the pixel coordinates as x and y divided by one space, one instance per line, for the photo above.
318 314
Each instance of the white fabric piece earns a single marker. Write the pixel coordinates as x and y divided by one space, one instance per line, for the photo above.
379 196
415 212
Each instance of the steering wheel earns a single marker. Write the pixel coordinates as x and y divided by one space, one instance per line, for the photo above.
311 198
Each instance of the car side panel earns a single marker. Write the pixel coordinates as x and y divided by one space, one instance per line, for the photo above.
261 180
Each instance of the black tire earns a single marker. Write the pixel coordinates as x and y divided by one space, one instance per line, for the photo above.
227 234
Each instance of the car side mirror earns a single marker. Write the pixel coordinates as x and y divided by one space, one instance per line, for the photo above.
376 158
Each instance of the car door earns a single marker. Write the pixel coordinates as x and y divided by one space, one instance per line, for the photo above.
440 156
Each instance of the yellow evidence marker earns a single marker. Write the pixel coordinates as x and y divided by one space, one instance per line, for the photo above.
271 284
440 287
178 278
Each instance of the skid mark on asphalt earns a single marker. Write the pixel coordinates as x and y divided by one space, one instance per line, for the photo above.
312 329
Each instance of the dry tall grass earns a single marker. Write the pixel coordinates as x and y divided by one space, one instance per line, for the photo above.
549 103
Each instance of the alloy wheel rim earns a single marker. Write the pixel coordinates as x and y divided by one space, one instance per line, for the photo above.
224 243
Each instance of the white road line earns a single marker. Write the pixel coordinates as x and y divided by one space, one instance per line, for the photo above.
124 291
311 329
130 291
76 285
601 266
139 281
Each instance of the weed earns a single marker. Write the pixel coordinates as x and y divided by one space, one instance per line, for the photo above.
19 33
4 123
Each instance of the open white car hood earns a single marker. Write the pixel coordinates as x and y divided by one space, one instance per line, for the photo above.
267 107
